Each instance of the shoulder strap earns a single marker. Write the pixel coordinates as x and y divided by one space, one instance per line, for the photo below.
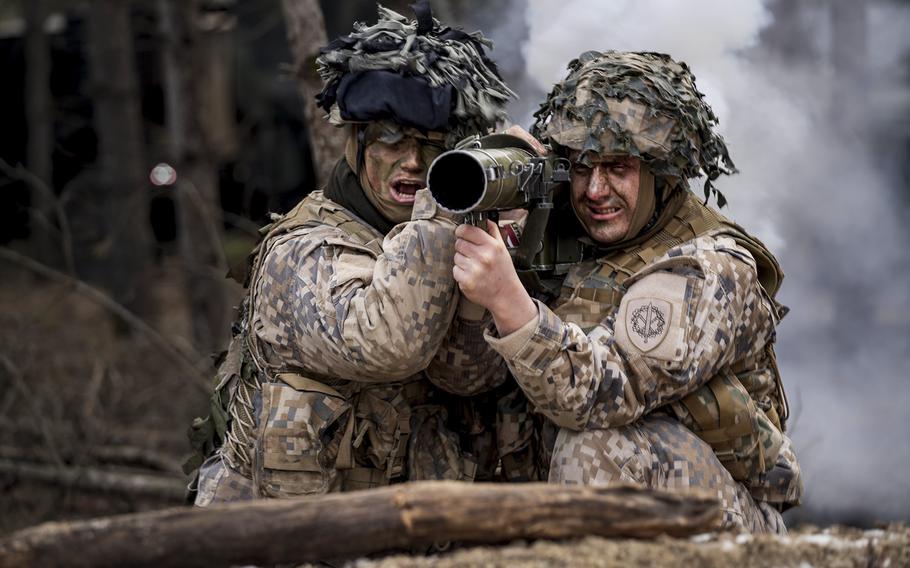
315 210
692 219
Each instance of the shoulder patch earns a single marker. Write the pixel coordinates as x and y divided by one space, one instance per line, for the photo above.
647 322
651 320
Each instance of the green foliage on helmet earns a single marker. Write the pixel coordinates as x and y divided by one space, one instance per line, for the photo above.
638 103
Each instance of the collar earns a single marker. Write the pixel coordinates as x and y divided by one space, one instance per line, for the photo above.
345 189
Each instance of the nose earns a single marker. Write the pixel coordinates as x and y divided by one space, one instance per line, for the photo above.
411 159
598 185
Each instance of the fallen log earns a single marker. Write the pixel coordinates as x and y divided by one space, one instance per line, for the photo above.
164 487
349 525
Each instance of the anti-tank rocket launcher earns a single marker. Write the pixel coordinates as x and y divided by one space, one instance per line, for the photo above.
500 172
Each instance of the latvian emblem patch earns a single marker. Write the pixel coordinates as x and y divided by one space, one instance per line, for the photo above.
647 322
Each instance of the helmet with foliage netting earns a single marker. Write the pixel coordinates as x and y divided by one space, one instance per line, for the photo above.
638 103
416 73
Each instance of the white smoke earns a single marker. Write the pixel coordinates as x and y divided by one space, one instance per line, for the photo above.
816 186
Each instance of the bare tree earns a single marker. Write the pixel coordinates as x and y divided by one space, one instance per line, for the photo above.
40 120
194 146
306 33
118 254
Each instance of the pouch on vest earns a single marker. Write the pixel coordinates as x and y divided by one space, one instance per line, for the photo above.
302 429
434 451
382 430
723 414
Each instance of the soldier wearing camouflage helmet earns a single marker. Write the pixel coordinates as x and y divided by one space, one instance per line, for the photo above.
352 322
656 360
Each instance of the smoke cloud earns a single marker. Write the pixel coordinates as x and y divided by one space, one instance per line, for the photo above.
820 149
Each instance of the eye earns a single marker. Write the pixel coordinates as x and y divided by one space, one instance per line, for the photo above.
434 148
581 169
619 168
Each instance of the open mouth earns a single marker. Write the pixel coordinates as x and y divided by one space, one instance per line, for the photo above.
403 190
604 213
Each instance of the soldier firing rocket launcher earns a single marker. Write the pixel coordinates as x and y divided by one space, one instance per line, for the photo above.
483 176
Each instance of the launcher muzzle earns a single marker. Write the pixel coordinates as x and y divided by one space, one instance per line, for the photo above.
483 176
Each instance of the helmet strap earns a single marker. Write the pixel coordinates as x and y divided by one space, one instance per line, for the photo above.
647 202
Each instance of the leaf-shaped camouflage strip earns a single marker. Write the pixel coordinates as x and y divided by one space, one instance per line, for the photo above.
443 56
639 103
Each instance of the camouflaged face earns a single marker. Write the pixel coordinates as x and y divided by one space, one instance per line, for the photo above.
658 452
638 103
441 56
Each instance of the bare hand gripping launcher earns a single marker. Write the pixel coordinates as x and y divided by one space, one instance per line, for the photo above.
483 176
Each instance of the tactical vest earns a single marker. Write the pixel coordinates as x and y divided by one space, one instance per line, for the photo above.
741 412
338 404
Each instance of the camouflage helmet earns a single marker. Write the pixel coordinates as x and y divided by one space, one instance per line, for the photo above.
639 103
429 76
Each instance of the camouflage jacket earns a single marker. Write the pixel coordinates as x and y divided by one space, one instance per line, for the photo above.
684 319
350 330
336 309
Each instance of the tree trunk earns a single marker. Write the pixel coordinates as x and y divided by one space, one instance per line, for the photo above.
198 201
306 34
118 252
40 121
348 525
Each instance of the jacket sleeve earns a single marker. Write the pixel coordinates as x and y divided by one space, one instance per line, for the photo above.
683 318
465 363
332 307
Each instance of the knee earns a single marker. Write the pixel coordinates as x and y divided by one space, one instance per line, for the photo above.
596 457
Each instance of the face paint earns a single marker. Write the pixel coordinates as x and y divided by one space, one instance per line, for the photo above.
605 194
396 161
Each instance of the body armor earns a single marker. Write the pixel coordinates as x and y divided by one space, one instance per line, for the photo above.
347 434
742 411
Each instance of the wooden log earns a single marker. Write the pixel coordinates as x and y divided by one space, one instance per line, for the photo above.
348 525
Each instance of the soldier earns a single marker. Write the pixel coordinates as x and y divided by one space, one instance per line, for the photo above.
352 303
656 361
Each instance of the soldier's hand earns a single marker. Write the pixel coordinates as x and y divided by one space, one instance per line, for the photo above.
520 132
484 272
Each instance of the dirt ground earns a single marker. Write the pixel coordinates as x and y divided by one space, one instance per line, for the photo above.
78 390
807 547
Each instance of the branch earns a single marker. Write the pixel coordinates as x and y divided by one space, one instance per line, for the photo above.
166 488
182 354
66 236
32 404
349 525
130 456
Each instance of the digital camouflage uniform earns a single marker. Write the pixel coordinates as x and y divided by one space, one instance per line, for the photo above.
656 361
354 363
347 327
